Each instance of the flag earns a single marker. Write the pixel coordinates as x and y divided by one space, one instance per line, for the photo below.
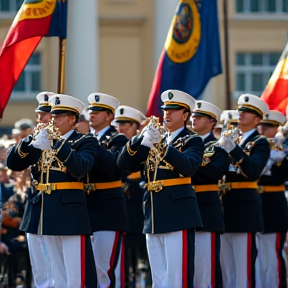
276 91
191 54
34 20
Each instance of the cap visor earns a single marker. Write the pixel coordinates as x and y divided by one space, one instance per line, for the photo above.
202 114
62 111
246 109
43 109
169 107
97 108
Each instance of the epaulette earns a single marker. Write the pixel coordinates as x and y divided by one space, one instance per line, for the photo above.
73 142
210 146
209 151
191 136
108 138
181 141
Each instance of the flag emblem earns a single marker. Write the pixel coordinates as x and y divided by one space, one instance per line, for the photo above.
185 33
36 9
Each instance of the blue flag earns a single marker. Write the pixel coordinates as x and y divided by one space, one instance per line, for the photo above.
191 54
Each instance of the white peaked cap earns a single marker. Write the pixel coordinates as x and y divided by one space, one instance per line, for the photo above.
175 99
274 117
253 104
229 116
127 113
102 102
43 101
207 108
62 103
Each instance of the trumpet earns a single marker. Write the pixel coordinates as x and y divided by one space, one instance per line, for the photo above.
278 143
52 132
161 145
232 130
156 154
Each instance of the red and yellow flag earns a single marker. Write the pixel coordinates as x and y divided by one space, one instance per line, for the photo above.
276 91
34 20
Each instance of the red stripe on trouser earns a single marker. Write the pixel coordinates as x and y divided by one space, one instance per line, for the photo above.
113 258
249 260
82 242
278 243
213 255
184 259
122 263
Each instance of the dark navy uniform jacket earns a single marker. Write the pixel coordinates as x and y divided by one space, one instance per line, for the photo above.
209 202
6 191
174 208
63 212
274 204
134 201
106 207
242 207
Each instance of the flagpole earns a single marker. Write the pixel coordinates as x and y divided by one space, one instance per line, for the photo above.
226 55
61 65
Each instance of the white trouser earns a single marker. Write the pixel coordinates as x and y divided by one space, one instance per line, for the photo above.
167 253
41 267
236 257
269 261
106 245
206 260
67 257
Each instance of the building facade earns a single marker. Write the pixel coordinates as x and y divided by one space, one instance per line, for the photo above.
130 36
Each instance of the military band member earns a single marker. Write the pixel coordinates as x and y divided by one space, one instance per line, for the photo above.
60 159
226 117
128 120
170 205
214 165
41 266
229 117
83 125
271 268
105 198
241 201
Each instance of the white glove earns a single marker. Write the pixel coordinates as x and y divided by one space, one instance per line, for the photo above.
41 141
154 133
227 143
279 139
277 155
151 136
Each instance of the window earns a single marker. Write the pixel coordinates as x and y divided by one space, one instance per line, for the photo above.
253 70
9 8
29 82
261 6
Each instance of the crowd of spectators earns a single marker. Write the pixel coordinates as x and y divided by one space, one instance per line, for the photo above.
15 270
